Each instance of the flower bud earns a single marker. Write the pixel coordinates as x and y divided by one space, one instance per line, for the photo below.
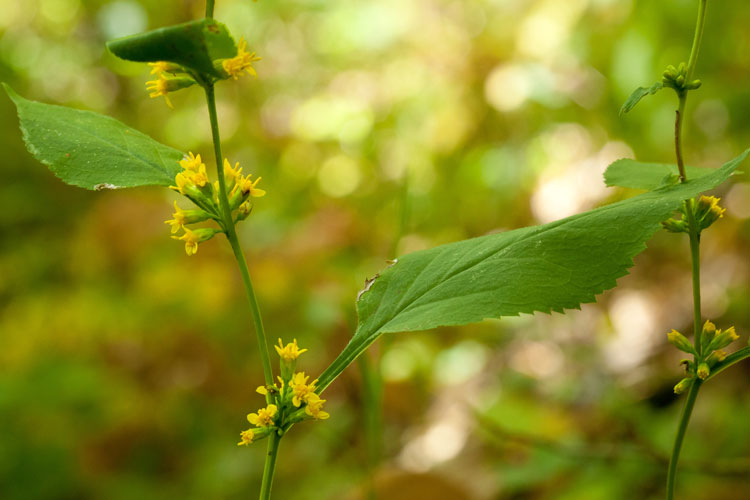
723 339
683 385
244 210
716 357
680 81
707 335
703 371
675 226
680 342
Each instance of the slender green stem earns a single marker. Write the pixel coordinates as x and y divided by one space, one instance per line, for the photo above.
697 38
694 234
209 8
235 243
684 419
268 470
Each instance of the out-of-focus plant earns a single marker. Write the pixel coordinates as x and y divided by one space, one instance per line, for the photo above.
546 268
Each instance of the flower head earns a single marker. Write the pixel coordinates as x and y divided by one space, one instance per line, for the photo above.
232 175
314 407
192 162
264 417
179 219
243 61
192 238
301 390
159 67
289 352
248 186
159 88
246 437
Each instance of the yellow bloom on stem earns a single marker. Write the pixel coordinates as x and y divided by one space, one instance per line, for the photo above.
192 162
301 389
159 67
314 407
248 186
232 174
262 390
243 61
191 241
246 437
179 219
264 417
200 178
182 180
289 352
158 88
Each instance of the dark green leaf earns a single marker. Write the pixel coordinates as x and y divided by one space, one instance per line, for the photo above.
639 94
546 268
636 175
93 151
194 45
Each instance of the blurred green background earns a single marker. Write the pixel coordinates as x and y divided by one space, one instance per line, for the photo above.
381 127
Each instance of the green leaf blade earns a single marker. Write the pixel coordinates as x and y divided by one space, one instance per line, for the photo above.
649 176
639 94
93 151
546 268
194 45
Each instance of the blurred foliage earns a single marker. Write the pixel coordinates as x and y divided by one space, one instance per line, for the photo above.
127 369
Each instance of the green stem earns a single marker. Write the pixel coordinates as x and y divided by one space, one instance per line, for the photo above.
231 233
697 38
694 234
684 419
209 8
268 470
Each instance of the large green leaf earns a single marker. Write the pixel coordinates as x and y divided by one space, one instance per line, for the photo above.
194 45
634 174
546 268
93 151
639 94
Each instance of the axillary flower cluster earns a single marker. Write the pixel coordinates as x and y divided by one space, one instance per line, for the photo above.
192 182
290 401
712 343
171 77
706 211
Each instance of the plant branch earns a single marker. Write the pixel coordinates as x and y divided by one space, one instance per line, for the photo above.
209 8
231 233
273 449
684 419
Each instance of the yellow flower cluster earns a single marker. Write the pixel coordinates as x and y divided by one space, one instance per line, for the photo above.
192 182
243 61
163 85
292 400
711 353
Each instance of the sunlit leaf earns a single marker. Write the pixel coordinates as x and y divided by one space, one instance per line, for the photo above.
194 45
639 94
546 268
93 151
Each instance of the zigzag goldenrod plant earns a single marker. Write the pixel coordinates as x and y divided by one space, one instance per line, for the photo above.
545 268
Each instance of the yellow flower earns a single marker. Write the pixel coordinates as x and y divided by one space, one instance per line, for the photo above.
191 241
301 389
262 390
192 162
192 238
232 174
200 178
159 88
243 61
289 352
179 219
159 67
314 407
246 437
248 186
264 417
182 180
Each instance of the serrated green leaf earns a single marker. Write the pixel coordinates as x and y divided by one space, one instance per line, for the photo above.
637 175
545 268
639 94
93 151
194 45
